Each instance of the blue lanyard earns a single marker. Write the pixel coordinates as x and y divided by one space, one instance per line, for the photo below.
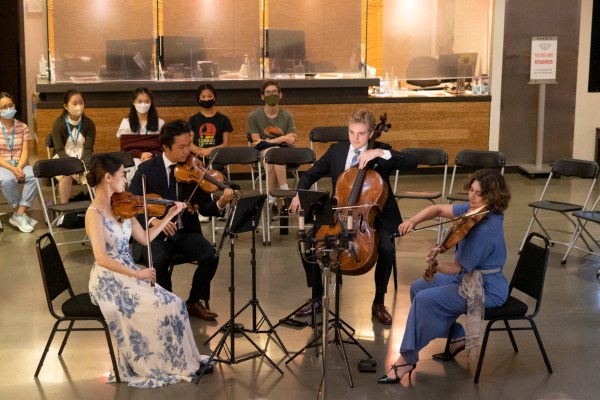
10 143
71 134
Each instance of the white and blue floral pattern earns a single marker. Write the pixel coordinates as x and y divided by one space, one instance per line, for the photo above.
150 324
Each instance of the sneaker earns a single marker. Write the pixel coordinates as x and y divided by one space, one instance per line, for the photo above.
20 222
32 222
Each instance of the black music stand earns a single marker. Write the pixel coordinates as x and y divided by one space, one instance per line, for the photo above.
243 218
329 250
317 209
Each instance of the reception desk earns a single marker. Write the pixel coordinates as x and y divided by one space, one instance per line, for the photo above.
453 123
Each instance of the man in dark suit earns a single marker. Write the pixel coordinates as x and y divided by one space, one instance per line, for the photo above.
183 234
384 160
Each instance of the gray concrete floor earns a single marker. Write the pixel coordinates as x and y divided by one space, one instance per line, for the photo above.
569 324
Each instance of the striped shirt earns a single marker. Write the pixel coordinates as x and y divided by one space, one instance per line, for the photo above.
21 135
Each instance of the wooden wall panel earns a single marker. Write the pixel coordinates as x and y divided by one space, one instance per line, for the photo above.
453 126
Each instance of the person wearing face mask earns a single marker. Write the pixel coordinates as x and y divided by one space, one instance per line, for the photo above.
272 126
211 128
14 157
74 135
138 133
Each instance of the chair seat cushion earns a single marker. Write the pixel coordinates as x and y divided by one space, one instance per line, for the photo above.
418 195
555 206
511 308
81 306
593 216
282 193
70 207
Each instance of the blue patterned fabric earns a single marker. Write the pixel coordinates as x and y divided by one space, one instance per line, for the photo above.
150 324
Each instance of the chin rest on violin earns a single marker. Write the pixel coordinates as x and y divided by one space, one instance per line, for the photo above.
128 205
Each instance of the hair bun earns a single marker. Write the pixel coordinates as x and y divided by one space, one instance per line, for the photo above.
91 179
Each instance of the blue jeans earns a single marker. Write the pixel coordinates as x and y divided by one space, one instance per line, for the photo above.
10 188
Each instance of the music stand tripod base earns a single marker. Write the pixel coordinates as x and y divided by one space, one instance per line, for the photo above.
243 218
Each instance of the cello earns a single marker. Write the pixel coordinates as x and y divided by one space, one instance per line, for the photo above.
360 194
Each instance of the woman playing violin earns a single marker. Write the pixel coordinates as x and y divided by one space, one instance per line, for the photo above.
150 324
466 284
382 159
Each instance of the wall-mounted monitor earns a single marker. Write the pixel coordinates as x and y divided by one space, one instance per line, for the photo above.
182 53
129 59
285 48
457 65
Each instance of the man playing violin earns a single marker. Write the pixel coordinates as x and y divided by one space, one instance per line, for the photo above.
384 160
459 284
183 234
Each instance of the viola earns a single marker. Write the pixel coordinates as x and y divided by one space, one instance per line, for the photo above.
460 228
362 194
192 171
127 205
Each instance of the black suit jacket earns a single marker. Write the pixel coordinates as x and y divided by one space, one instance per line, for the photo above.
332 164
157 182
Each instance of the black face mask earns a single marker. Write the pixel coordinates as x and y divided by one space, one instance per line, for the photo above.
207 103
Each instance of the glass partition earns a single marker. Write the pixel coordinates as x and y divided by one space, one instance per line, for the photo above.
428 42
105 40
322 38
211 39
424 42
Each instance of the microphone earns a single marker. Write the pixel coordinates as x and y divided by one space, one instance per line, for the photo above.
301 232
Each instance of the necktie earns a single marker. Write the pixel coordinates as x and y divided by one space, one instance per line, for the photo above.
172 192
354 161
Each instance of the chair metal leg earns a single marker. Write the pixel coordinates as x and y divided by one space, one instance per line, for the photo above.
67 333
39 367
111 351
511 336
395 265
541 346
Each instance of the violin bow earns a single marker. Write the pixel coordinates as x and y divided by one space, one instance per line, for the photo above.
150 263
449 221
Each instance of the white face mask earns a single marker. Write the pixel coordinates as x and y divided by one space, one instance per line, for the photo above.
76 111
142 108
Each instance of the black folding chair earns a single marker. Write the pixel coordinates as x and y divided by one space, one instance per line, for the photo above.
528 279
290 157
569 168
77 308
473 159
430 158
583 218
327 134
49 169
228 156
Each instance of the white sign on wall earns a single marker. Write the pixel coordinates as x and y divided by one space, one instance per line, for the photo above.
543 59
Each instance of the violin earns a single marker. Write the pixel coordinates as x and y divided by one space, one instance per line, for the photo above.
192 171
127 205
460 228
360 194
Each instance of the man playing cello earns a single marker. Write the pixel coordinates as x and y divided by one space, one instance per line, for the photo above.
382 159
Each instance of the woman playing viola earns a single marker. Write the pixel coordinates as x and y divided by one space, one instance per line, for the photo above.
468 283
150 324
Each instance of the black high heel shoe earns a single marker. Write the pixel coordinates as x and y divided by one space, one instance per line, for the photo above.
387 379
447 355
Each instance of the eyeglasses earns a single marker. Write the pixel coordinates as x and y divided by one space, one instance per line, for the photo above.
271 93
7 106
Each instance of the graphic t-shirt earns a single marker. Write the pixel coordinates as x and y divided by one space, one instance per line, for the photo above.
208 131
282 124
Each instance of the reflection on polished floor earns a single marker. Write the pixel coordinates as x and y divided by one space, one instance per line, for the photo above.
569 324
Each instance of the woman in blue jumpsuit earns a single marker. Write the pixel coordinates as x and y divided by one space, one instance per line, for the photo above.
437 303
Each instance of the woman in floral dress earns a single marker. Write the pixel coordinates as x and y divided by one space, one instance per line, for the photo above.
151 325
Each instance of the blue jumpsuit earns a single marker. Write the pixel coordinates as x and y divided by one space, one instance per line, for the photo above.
436 305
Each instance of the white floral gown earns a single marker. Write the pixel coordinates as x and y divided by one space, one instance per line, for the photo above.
151 325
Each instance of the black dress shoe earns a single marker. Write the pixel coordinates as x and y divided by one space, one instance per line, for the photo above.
447 355
381 312
386 379
307 309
